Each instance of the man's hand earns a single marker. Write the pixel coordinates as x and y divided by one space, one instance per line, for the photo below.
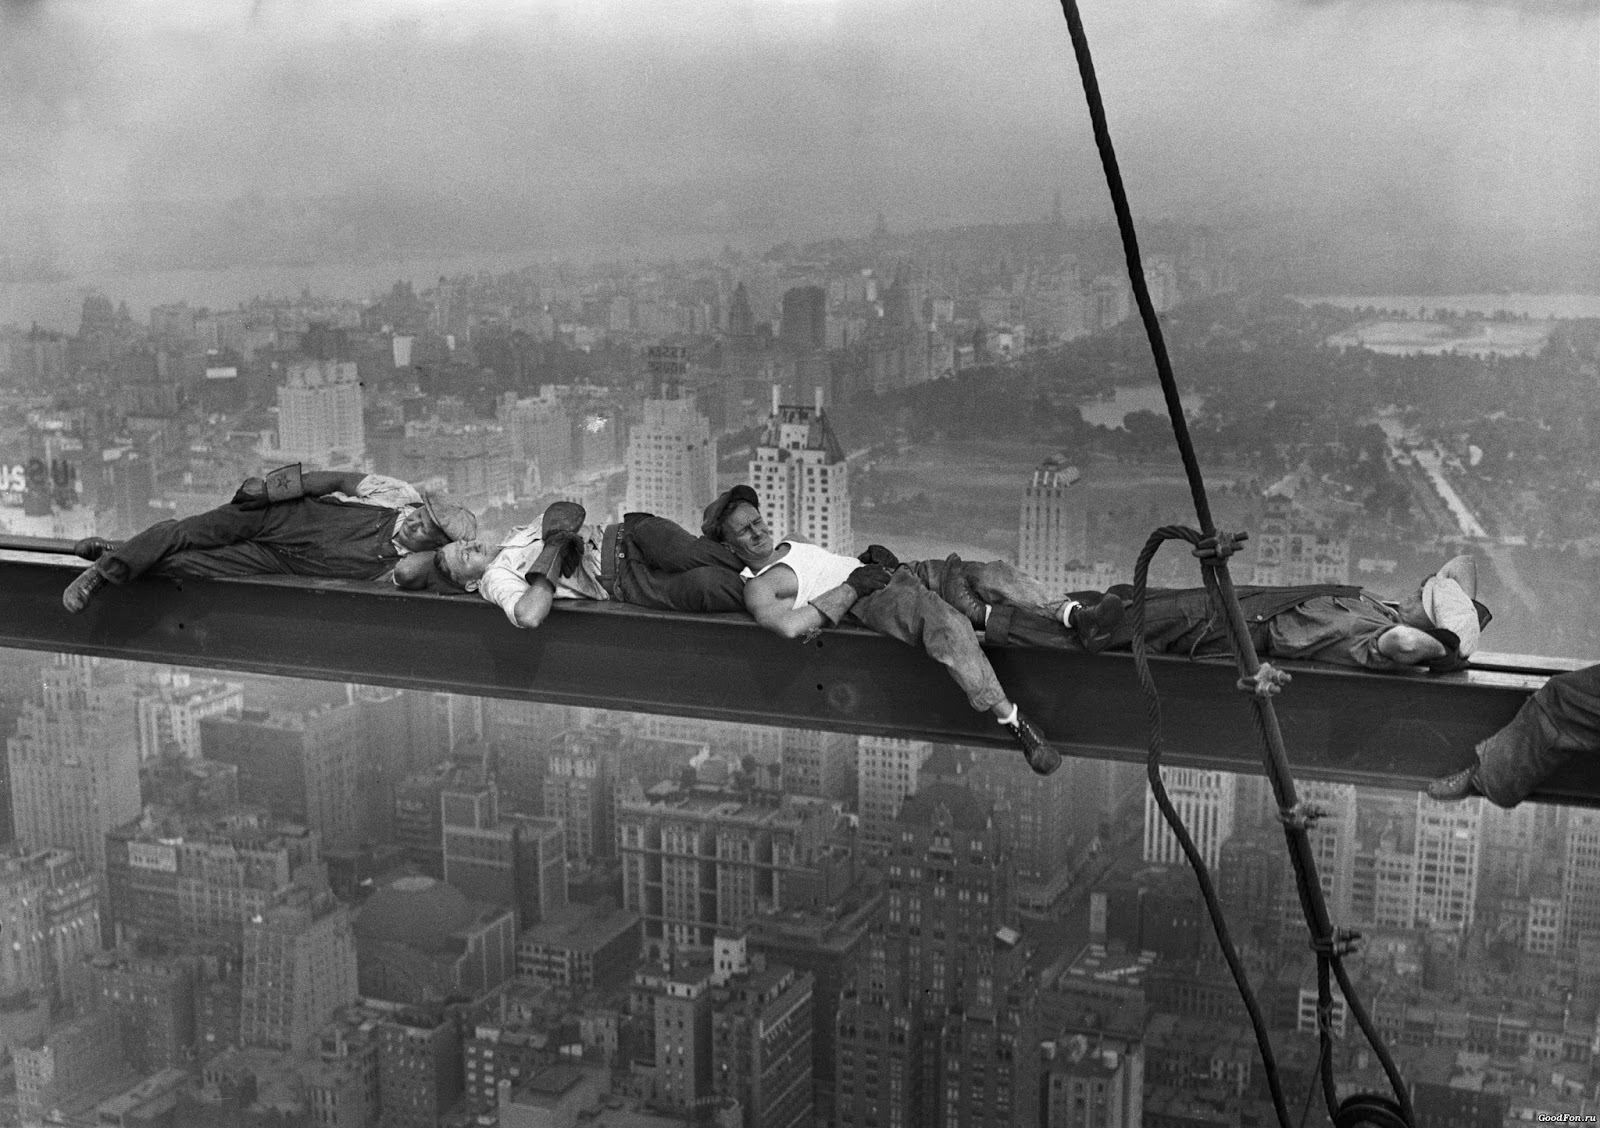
251 495
877 554
867 579
283 484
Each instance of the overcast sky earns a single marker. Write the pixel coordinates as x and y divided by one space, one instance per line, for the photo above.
791 117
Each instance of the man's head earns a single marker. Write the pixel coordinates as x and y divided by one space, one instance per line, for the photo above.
436 522
464 562
735 520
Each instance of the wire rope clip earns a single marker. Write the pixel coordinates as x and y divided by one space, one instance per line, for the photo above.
1302 816
1267 681
1343 942
1214 550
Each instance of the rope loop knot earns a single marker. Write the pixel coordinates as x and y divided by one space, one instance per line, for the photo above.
1268 681
1302 816
1214 550
1343 942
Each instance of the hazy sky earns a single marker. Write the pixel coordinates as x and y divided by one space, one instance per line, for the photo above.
785 117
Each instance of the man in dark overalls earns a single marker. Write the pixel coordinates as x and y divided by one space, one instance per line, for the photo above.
320 523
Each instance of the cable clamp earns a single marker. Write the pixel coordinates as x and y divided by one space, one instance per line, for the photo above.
1214 550
1267 681
1343 942
1302 816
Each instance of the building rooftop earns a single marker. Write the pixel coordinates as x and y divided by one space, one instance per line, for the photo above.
580 928
420 912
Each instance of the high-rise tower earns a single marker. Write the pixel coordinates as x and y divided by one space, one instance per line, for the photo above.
319 414
672 461
1052 531
802 478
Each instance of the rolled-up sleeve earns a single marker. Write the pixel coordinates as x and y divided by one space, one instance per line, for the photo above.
392 493
503 583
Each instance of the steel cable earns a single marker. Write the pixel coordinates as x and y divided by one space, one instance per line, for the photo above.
1214 551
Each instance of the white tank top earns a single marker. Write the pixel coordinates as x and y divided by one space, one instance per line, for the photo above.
817 569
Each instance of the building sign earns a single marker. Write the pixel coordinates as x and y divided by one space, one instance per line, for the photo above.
153 856
666 360
13 478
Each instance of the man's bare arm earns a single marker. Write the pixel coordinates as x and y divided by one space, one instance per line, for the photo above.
771 606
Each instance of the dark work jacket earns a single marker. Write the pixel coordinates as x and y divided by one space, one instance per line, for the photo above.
1177 620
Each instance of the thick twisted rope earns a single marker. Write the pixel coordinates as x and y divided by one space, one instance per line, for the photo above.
1214 551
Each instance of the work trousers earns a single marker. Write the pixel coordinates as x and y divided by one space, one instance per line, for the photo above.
304 537
1560 721
663 566
908 610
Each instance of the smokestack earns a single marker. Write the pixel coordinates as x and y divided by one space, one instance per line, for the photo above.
774 400
819 398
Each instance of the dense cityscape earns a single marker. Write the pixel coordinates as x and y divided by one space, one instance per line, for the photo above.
252 901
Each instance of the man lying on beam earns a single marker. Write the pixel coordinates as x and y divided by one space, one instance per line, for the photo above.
1437 627
1560 722
317 523
795 589
643 560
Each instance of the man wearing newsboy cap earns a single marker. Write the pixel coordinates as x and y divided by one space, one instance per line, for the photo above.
314 523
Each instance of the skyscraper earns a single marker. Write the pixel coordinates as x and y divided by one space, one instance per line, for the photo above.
50 911
319 414
819 763
1205 801
75 760
888 769
299 968
941 1024
1447 862
802 478
761 1043
805 317
302 766
1053 530
514 861
1580 878
672 461
578 790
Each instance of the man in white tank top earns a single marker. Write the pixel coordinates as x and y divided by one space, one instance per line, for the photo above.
795 589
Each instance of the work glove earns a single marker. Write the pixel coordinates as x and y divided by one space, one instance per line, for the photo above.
877 554
282 484
867 579
561 532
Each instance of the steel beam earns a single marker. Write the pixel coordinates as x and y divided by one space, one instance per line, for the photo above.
1393 730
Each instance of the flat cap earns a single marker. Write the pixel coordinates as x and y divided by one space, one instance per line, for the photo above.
711 523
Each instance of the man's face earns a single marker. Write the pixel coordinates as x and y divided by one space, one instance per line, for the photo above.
747 534
417 532
465 562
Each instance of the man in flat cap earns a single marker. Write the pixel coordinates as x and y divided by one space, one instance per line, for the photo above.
795 589
1559 723
317 523
643 560
1437 627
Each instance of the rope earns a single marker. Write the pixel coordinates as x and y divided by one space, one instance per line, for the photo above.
1213 549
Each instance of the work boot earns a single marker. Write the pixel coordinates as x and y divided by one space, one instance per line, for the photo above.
1042 758
957 592
93 548
1460 785
81 590
1094 625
